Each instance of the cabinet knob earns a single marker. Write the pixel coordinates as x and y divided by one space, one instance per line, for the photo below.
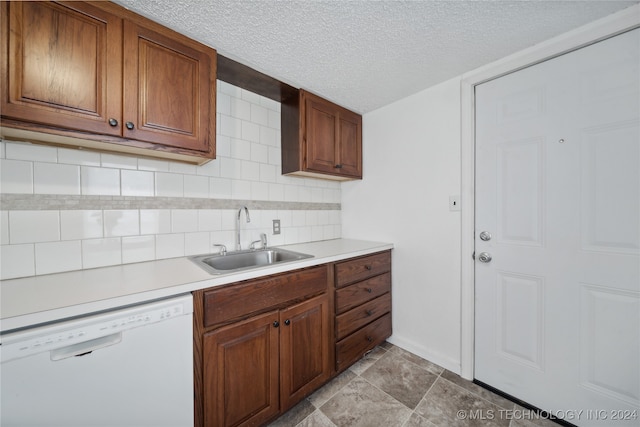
276 324
338 166
129 125
369 290
287 322
369 339
369 312
367 267
113 122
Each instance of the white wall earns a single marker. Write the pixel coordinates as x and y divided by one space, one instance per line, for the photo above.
411 167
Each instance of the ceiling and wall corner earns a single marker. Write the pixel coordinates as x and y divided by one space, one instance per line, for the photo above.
367 54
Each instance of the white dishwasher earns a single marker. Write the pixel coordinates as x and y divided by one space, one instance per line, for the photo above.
130 367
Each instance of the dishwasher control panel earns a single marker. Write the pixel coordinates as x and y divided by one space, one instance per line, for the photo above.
51 337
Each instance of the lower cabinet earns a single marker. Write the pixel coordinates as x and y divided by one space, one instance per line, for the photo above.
263 345
252 367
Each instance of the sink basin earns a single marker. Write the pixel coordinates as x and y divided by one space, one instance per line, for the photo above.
244 260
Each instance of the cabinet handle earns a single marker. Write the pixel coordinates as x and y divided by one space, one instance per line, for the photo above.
129 125
369 339
369 290
369 312
367 267
276 324
113 122
287 322
338 166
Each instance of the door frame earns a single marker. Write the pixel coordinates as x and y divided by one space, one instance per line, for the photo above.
609 26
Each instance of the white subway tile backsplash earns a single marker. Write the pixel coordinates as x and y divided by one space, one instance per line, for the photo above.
78 157
220 188
197 243
34 226
247 167
184 220
240 149
16 177
230 126
259 115
81 224
118 161
250 131
183 168
259 153
137 183
100 181
101 252
153 165
240 109
155 221
138 249
17 261
169 185
31 152
4 228
52 178
196 186
169 245
209 220
121 222
56 257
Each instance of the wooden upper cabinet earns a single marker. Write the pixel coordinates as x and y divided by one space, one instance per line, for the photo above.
98 72
166 89
320 139
64 65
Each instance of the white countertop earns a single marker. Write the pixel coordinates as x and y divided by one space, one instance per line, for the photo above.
40 299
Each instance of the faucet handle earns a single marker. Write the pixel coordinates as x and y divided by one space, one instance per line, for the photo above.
263 240
223 248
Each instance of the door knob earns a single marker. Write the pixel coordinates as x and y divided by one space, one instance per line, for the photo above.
485 236
484 257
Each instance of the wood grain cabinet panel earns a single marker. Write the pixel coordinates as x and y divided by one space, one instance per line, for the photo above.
320 139
64 65
97 75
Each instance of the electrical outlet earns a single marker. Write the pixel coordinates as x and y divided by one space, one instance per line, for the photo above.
276 226
454 203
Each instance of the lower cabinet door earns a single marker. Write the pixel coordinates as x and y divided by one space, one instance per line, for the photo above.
241 365
304 346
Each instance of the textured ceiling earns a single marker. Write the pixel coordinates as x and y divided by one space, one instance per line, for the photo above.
366 54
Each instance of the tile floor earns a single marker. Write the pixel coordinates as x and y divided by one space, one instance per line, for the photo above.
392 387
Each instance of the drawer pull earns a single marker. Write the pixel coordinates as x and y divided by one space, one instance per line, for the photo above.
367 267
369 312
276 324
369 290
287 322
369 338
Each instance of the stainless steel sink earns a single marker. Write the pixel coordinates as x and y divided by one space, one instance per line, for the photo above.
244 260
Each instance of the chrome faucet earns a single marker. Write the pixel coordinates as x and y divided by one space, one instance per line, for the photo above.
262 241
246 211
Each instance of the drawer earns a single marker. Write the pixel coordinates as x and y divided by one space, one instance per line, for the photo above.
357 344
356 318
361 292
253 296
362 268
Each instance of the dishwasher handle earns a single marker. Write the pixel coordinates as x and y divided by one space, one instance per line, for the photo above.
82 348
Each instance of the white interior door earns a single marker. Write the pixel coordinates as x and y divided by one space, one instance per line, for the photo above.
558 189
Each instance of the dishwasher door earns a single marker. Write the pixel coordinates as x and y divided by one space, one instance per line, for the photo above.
131 367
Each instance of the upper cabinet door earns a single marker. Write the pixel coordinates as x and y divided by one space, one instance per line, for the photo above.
321 133
65 67
169 90
350 147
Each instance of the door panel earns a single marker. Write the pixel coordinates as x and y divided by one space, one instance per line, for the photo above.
558 188
65 67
